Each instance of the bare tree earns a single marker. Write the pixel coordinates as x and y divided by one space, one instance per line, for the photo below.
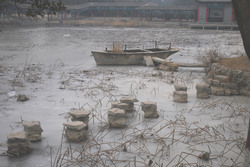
242 14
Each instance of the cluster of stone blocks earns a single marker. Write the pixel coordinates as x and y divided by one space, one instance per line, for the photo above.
77 130
119 110
225 81
150 109
180 93
19 143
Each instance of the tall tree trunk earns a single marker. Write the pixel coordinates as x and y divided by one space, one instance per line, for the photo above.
242 14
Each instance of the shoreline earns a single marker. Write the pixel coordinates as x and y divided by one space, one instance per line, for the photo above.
117 22
93 22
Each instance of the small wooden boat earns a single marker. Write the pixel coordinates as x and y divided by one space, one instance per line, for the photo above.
131 56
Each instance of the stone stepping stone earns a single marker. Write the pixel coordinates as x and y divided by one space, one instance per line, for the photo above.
120 105
116 118
130 101
33 130
80 115
180 96
76 131
203 91
150 109
180 87
18 143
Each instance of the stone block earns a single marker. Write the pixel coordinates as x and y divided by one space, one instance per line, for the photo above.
148 60
116 118
18 143
216 83
76 131
180 96
202 95
148 105
150 109
130 101
245 92
33 130
230 85
180 87
222 78
169 67
124 106
218 91
203 88
229 92
80 115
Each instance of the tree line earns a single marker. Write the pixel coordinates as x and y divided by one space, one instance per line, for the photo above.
34 7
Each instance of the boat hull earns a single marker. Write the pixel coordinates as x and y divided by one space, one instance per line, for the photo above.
130 57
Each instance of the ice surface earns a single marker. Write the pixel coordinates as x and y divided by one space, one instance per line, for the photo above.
53 67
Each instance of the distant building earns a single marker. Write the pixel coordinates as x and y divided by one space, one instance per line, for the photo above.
105 9
167 12
215 11
133 8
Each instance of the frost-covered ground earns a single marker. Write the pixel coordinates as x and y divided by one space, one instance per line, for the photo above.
53 67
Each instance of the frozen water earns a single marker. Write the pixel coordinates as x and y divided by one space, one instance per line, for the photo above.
53 67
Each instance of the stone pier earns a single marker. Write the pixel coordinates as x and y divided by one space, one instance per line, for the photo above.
18 143
180 96
116 118
203 91
130 101
33 130
180 87
80 115
150 109
122 106
180 93
76 131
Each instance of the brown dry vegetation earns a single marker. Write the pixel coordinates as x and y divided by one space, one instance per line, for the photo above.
240 63
108 22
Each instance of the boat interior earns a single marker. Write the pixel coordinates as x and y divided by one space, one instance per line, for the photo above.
139 50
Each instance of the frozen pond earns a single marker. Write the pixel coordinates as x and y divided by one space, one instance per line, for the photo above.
53 67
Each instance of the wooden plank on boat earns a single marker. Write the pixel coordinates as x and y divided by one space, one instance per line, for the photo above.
149 61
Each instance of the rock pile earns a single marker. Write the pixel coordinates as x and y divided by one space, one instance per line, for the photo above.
150 109
116 118
18 143
80 115
180 93
226 81
22 97
203 91
76 131
33 130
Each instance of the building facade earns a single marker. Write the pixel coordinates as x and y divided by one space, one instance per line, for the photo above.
215 11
